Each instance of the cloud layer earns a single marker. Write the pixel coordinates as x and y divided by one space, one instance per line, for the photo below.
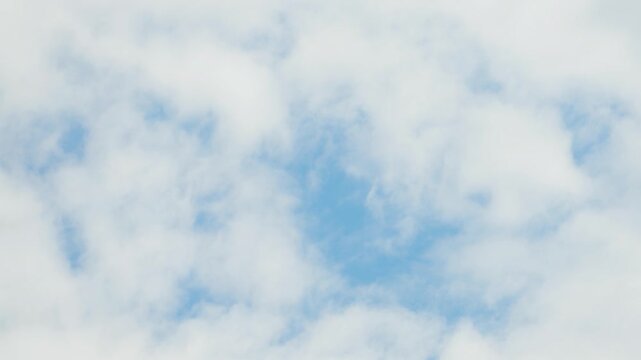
320 180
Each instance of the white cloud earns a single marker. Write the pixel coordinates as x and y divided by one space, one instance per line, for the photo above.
467 343
363 333
449 112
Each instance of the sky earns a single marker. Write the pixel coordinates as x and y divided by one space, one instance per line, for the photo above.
279 179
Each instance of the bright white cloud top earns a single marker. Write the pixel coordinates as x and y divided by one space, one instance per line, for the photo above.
320 179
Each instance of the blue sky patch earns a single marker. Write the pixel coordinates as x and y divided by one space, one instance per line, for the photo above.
73 140
71 243
590 122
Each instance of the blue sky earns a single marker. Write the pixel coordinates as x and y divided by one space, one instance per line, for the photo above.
319 180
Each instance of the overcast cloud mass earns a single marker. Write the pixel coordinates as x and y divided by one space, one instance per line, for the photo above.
278 179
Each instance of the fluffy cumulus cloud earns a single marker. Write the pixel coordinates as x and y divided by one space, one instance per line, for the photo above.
320 179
